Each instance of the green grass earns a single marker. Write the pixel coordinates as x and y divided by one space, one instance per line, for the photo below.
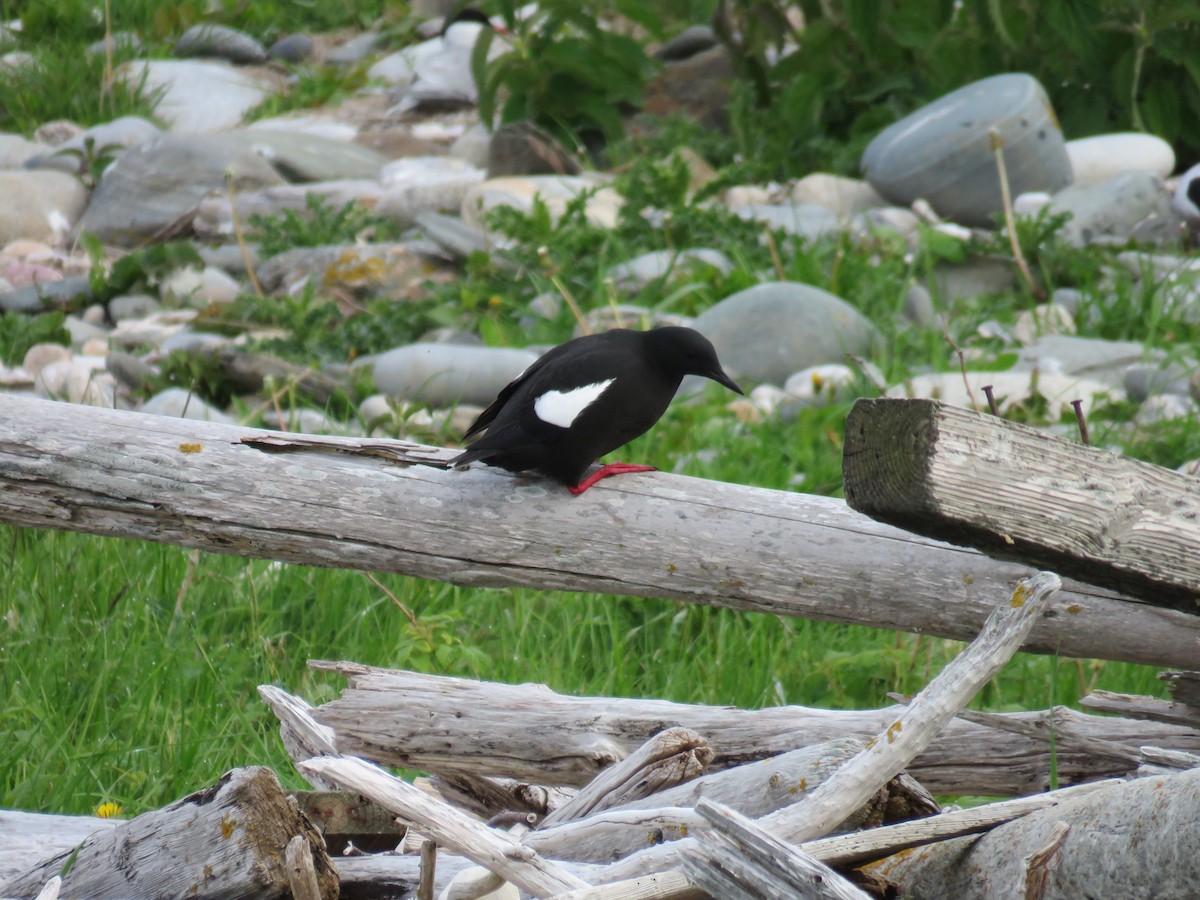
128 674
123 678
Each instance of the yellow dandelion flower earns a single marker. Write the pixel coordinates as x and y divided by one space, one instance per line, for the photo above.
108 809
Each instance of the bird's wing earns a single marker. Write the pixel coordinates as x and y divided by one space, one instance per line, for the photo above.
598 350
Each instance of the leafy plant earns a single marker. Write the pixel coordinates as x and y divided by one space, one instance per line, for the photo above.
138 269
318 225
314 87
68 84
1108 65
563 70
19 332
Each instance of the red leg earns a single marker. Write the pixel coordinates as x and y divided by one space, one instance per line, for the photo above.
618 468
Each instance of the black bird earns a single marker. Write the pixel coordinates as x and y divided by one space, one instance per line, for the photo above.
586 398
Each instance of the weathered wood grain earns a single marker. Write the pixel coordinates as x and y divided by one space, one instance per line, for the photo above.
492 849
739 859
1136 839
1018 493
889 752
199 484
443 724
227 841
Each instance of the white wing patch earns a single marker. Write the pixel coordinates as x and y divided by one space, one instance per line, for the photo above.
561 408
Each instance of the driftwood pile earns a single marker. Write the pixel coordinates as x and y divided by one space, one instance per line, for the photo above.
558 796
530 792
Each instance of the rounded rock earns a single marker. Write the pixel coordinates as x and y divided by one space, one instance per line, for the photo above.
179 403
293 48
221 42
1104 156
767 332
445 374
943 151
39 356
39 205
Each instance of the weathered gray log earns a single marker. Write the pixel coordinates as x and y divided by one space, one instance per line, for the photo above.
739 859
371 875
671 757
437 723
204 485
303 737
1018 493
890 751
1136 839
1135 706
28 838
487 797
302 873
1184 686
227 841
821 810
447 826
753 789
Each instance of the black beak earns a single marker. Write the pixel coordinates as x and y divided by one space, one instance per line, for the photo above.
719 376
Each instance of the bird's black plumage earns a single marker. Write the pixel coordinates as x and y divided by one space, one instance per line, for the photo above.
604 390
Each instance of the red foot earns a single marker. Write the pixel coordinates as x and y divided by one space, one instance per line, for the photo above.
610 469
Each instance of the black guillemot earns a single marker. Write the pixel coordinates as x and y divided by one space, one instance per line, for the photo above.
586 398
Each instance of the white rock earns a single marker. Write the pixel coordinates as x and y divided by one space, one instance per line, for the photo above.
1030 203
375 408
76 381
201 96
766 398
1010 389
556 191
1165 407
1099 158
1043 319
199 287
41 205
39 356
179 403
821 381
844 196
472 146
420 184
307 123
97 346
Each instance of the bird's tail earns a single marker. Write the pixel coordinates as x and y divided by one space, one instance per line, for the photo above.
465 458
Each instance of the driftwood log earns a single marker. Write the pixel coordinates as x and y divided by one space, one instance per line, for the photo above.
369 875
227 841
739 860
392 506
1138 839
1018 493
28 838
442 724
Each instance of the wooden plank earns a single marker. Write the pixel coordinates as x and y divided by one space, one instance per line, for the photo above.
1018 493
336 502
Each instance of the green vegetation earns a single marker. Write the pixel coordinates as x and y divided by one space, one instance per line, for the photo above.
20 332
565 71
317 225
127 670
